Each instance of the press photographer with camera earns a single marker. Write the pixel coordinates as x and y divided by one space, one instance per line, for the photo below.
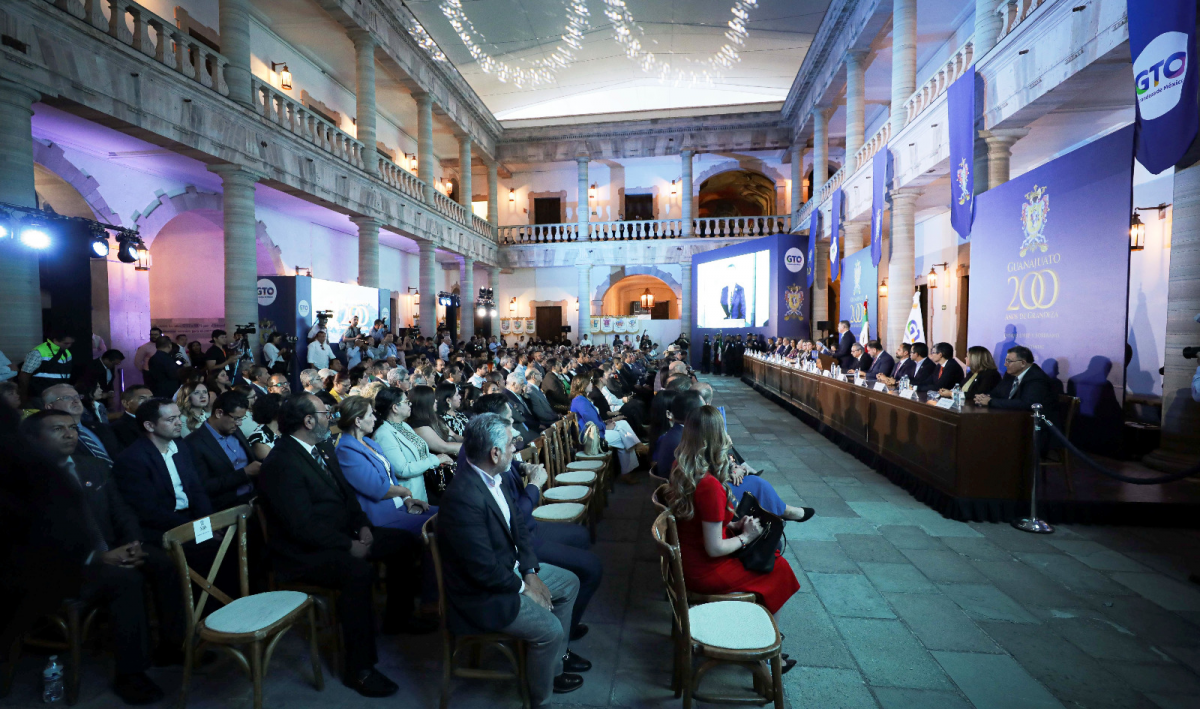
220 356
320 325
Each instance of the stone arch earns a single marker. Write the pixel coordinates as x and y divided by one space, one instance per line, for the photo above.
165 208
624 271
51 156
738 192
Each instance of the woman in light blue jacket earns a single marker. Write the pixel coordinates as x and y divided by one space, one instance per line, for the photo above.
407 452
385 500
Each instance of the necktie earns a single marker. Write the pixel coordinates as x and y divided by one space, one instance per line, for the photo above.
1013 392
316 454
940 369
94 447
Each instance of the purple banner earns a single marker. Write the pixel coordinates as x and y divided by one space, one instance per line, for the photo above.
814 231
1162 41
881 177
1050 266
960 104
835 229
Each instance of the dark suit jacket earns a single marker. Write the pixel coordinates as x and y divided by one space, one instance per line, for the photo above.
902 369
115 521
951 376
883 364
924 375
126 430
600 403
142 478
984 383
862 364
842 353
479 553
557 396
105 433
734 303
540 406
310 512
162 374
1036 387
217 474
523 418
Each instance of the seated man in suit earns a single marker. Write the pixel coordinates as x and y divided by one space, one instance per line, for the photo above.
319 535
555 388
113 574
223 457
1024 384
904 366
862 360
882 362
125 428
514 390
539 405
845 342
948 373
493 579
924 374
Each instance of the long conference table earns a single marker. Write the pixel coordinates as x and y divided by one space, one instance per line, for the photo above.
972 464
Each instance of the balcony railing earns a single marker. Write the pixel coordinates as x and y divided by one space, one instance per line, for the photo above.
872 146
451 209
937 84
291 115
135 26
644 229
401 179
1013 13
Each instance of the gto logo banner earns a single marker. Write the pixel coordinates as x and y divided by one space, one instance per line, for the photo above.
1162 41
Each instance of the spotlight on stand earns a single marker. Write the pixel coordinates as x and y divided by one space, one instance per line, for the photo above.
34 234
127 248
99 241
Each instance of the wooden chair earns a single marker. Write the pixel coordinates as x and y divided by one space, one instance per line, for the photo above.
654 476
1061 457
512 648
659 497
720 632
73 622
258 621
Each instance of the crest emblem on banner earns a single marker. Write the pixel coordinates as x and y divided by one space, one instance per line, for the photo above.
794 298
1034 214
963 176
857 276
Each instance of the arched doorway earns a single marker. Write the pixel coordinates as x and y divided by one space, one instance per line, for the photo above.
621 296
736 193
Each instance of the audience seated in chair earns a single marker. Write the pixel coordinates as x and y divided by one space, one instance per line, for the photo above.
223 456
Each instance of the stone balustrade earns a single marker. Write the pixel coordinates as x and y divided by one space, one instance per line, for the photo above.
1013 13
401 179
644 229
936 85
135 26
482 225
863 157
451 209
288 113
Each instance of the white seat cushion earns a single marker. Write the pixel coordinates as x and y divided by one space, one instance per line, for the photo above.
592 456
592 465
566 493
576 477
251 613
733 625
560 511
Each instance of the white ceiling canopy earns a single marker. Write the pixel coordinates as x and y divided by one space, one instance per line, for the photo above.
580 57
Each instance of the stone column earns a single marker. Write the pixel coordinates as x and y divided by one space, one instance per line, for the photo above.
585 300
797 178
427 287
466 299
368 251
685 300
1180 446
987 27
904 60
999 152
901 265
857 236
234 26
493 169
820 149
464 171
583 210
856 64
685 191
364 118
494 284
241 252
20 284
425 142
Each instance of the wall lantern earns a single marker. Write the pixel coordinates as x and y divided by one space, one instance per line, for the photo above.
674 188
647 300
512 306
932 279
592 191
1137 233
512 196
577 305
285 76
883 289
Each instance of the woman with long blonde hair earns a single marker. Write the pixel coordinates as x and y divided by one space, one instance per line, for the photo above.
195 404
709 537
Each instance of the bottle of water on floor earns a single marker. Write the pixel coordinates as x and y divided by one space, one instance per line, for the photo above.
52 681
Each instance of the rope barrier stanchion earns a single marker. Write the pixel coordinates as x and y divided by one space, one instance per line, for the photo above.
1031 523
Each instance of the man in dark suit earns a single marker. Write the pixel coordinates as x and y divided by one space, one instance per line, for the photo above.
96 437
846 341
514 391
553 388
924 374
862 360
114 572
493 579
257 378
102 373
162 371
882 361
223 457
948 373
904 366
733 302
125 428
1024 384
539 405
319 535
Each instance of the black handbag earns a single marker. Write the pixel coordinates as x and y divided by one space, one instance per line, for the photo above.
759 555
437 480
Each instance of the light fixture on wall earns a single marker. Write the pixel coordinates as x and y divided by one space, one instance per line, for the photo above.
592 191
416 295
883 289
577 305
932 278
285 76
512 306
1137 233
512 196
674 188
647 300
143 262
449 186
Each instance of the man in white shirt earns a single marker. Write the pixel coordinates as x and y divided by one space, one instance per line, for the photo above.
141 357
444 350
319 352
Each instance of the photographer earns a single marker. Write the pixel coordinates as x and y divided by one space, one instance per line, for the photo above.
320 325
220 355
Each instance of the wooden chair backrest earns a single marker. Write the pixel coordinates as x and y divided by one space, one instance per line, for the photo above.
548 445
429 536
222 522
666 537
654 472
1069 406
572 430
529 454
659 497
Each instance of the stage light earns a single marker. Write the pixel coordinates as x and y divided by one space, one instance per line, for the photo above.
494 313
883 289
127 248
481 312
285 76
100 246
1137 233
5 228
34 234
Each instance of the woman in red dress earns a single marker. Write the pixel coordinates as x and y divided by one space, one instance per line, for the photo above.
703 508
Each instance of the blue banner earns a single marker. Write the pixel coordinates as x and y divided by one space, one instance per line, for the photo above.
814 231
835 228
960 104
859 299
1162 42
881 177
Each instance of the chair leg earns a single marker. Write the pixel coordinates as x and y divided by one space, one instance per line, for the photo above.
1067 471
523 675
685 676
314 648
777 679
10 667
447 669
256 672
75 640
188 657
335 626
676 665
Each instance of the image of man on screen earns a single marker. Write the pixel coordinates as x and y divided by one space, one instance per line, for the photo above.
733 296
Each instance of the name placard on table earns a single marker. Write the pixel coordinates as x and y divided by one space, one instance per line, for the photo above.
944 403
880 386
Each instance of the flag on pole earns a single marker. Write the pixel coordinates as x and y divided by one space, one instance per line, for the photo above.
835 256
1162 42
914 331
864 336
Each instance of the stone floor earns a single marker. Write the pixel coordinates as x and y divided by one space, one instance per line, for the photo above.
899 607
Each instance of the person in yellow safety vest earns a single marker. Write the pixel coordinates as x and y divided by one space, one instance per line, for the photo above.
46 365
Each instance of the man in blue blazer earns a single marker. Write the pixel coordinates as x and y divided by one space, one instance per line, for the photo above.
903 367
882 362
846 340
733 302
